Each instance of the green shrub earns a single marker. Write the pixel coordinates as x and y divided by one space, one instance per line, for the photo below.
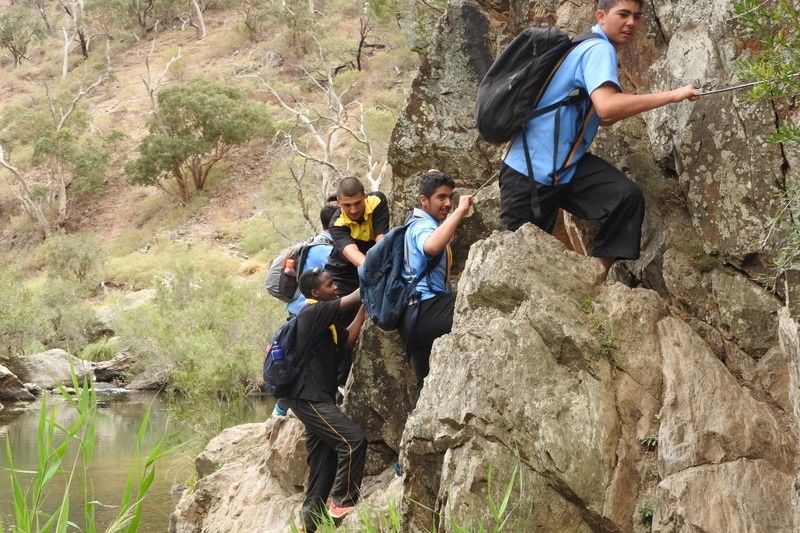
22 324
139 269
645 515
71 321
75 257
101 350
208 332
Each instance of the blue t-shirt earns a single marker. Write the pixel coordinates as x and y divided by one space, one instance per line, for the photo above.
316 258
588 66
416 260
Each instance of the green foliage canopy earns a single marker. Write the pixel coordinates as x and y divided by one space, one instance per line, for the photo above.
19 28
21 322
74 257
197 125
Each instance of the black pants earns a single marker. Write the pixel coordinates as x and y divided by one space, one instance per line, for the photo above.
422 324
599 191
337 451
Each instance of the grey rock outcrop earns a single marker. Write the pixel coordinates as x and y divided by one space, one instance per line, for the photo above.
596 399
251 479
47 369
116 369
595 396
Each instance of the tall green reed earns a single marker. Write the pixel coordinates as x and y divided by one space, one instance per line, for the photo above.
57 469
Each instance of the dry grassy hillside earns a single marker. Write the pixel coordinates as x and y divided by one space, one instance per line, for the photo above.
86 288
255 183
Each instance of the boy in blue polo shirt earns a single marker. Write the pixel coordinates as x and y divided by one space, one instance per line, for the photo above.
318 254
430 314
565 174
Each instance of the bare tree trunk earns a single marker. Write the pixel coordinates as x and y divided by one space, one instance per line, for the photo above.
30 207
153 85
200 25
62 182
339 123
363 31
40 6
65 54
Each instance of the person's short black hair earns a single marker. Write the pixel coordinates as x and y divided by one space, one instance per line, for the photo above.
326 215
432 180
350 186
608 5
331 198
309 280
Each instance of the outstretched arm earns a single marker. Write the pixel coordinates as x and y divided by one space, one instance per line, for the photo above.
444 233
353 254
354 329
612 105
350 301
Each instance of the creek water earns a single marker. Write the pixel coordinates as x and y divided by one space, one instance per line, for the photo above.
119 417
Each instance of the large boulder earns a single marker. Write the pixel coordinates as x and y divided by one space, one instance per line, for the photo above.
51 368
250 479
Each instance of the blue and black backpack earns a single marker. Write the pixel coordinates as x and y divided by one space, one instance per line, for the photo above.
385 292
282 365
512 87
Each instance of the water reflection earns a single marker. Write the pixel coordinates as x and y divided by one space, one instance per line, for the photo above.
119 418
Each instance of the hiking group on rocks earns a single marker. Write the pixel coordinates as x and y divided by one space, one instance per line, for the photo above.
547 167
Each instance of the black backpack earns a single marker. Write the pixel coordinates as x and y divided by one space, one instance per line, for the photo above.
517 79
280 373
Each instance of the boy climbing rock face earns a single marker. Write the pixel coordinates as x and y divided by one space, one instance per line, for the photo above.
337 448
565 174
430 313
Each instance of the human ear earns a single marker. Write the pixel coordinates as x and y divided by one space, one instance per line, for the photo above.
600 16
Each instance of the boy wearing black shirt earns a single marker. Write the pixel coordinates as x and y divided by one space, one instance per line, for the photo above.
336 447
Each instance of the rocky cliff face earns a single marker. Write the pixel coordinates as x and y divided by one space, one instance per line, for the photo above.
601 399
671 389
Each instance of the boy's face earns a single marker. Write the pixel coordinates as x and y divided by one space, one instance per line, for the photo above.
353 206
621 22
326 290
439 204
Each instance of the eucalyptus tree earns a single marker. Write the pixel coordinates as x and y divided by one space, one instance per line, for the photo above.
20 27
195 126
66 158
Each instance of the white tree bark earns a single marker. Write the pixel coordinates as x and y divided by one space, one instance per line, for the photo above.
23 194
153 85
201 25
65 53
329 129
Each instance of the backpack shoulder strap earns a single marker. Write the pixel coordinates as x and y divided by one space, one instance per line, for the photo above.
431 264
574 97
316 240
